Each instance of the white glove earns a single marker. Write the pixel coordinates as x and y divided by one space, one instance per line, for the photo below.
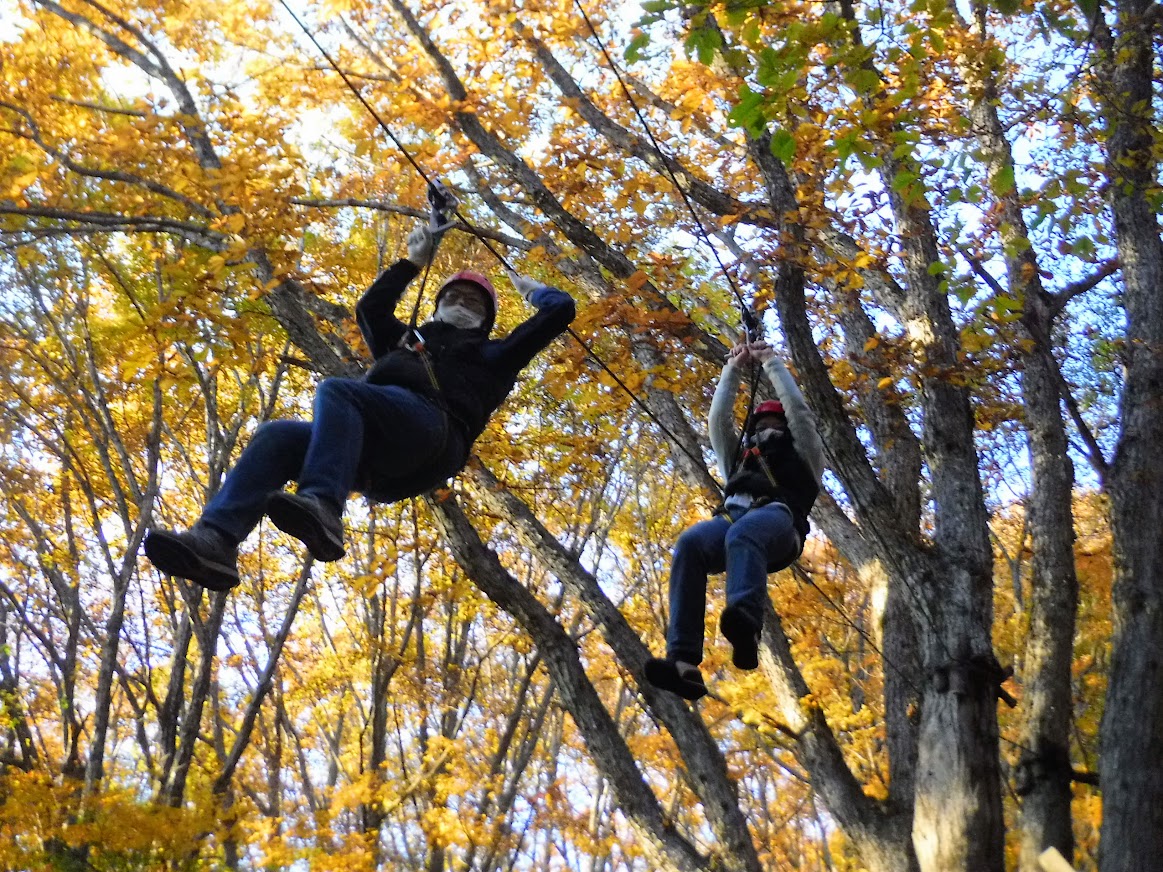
420 246
525 287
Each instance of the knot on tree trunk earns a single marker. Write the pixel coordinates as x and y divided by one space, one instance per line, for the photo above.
1046 762
965 675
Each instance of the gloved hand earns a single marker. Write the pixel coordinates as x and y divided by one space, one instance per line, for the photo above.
420 246
525 286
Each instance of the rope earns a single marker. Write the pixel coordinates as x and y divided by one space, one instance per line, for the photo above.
388 131
751 325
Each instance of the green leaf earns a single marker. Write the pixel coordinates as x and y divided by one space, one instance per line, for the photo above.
748 112
864 81
1003 182
704 42
903 179
783 146
846 144
633 51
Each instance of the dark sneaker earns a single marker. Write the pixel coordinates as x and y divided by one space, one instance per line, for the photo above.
677 677
201 555
311 521
742 631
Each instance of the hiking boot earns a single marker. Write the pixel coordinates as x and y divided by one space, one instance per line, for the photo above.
677 677
741 629
202 555
311 521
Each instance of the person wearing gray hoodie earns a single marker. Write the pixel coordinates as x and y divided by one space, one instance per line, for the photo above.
773 478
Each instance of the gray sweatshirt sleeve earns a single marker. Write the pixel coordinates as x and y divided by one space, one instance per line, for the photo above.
721 421
800 419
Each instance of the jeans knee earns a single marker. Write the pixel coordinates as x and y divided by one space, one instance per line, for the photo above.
332 386
690 545
281 434
740 534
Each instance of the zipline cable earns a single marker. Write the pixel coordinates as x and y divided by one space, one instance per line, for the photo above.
387 130
700 462
747 315
750 324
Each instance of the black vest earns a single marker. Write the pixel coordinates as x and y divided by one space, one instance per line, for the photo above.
466 386
791 482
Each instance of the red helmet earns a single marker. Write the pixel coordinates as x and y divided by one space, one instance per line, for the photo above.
768 407
481 282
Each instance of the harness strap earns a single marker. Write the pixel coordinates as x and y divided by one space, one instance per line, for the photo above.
759 503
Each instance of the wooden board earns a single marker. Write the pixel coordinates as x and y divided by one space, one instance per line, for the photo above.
1051 861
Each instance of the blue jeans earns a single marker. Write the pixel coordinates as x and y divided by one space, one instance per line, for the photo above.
363 435
747 545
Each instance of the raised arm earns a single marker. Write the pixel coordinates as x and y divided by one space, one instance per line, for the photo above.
555 311
376 310
721 420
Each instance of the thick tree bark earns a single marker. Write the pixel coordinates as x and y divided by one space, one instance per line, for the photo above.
1132 727
880 834
1043 771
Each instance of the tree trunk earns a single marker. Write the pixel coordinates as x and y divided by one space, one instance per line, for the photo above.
1043 771
1132 726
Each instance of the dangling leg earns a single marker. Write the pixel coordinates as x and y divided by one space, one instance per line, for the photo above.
698 553
207 553
762 538
357 425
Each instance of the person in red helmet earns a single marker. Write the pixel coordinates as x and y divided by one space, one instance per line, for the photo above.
773 478
404 428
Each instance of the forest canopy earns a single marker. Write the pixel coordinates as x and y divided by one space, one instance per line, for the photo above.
945 216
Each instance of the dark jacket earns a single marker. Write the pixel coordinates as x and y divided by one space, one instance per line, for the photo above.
774 472
796 461
471 374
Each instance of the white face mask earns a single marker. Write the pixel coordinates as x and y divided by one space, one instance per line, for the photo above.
767 433
458 316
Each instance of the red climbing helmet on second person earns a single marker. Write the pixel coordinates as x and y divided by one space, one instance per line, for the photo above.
481 282
768 407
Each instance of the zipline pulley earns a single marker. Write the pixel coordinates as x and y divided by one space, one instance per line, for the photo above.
751 324
441 202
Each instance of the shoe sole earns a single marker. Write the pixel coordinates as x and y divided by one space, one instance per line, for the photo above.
177 559
294 519
743 636
665 677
